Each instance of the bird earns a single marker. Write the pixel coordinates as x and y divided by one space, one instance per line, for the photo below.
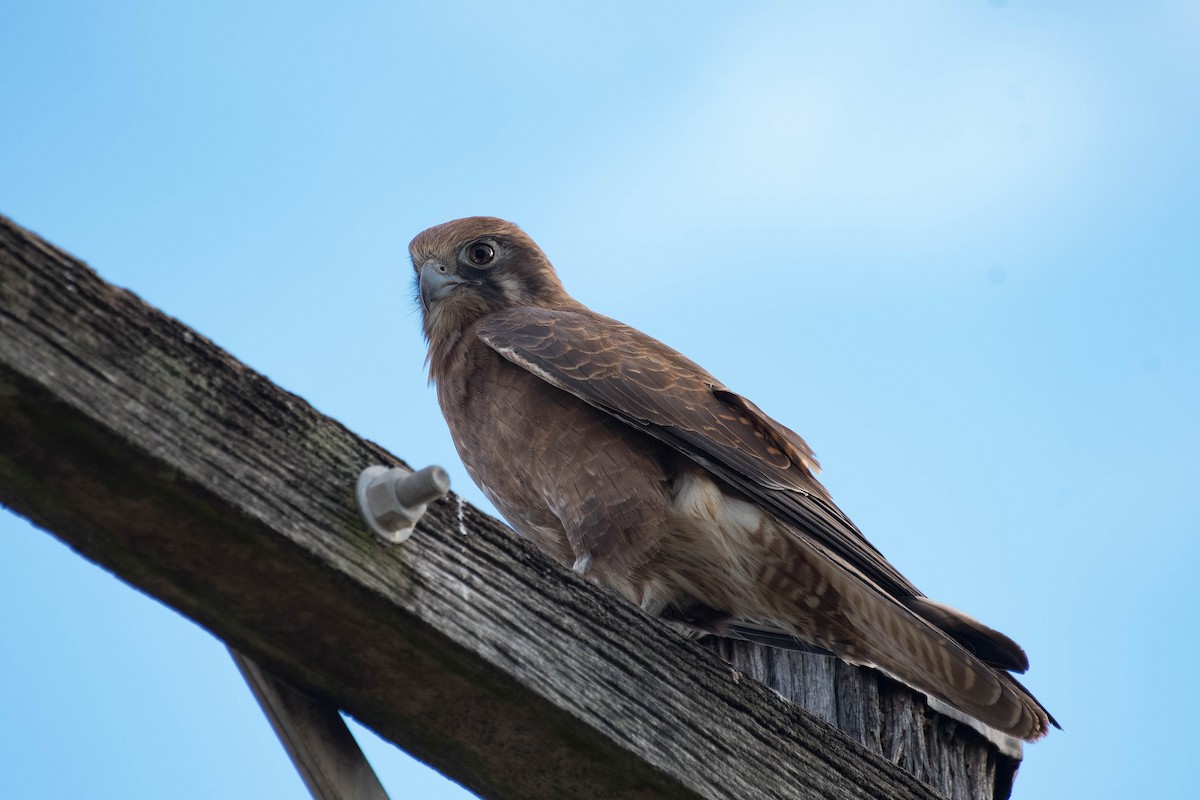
627 462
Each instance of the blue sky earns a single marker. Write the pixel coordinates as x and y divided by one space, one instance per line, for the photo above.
954 245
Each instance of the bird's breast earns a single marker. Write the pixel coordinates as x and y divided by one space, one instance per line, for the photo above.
577 482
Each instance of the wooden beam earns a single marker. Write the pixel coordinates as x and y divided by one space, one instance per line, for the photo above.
315 736
154 453
886 717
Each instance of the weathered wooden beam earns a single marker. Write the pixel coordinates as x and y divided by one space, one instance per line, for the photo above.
193 478
315 736
883 715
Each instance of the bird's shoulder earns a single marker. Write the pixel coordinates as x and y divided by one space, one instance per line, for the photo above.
646 383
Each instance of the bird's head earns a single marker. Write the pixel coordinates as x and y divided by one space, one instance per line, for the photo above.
469 268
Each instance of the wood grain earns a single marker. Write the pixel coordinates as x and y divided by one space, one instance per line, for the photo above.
154 453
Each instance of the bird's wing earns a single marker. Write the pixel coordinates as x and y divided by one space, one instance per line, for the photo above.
646 384
650 386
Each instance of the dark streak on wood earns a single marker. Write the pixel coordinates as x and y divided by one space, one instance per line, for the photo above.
193 478
885 716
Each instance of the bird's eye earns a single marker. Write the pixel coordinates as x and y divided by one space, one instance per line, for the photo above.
480 254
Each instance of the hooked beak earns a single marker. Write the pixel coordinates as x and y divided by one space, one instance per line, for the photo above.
436 281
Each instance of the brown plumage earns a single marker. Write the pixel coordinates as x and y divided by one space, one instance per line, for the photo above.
623 459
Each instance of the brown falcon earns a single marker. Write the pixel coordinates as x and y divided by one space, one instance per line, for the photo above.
623 459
